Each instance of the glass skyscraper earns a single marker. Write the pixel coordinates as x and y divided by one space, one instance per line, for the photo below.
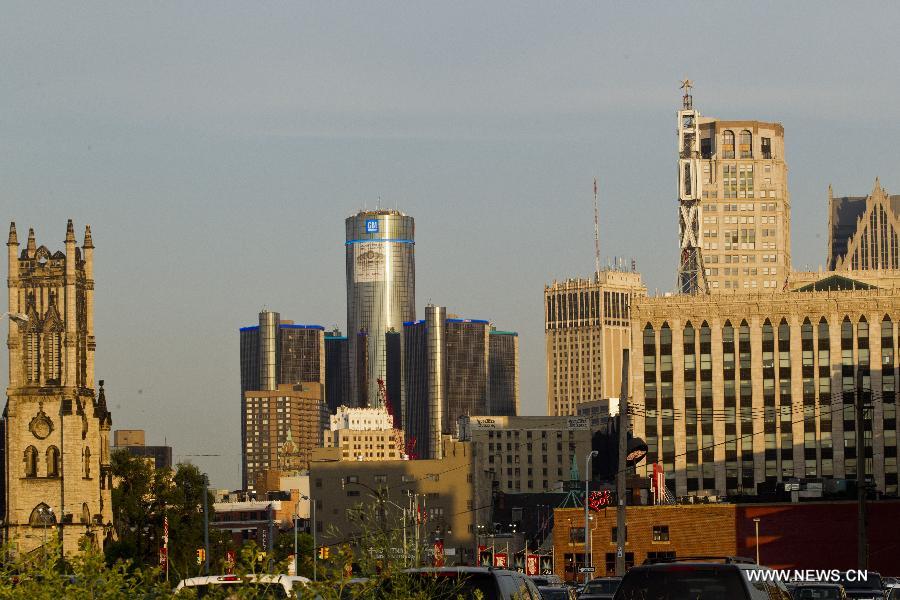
381 283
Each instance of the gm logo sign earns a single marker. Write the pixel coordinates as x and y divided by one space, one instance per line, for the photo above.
371 225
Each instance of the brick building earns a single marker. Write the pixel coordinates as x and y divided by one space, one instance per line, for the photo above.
808 535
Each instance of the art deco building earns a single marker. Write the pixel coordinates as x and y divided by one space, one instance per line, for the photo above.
863 231
745 205
381 293
55 431
274 354
586 326
282 427
733 391
447 374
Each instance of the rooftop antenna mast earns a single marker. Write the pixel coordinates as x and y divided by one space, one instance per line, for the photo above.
596 233
691 277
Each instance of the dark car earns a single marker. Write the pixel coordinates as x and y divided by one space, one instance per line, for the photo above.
601 588
863 585
817 591
700 579
556 592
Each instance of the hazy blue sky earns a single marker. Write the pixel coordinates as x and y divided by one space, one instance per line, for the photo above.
216 148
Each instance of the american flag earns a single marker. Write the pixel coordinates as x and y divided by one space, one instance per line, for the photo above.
165 531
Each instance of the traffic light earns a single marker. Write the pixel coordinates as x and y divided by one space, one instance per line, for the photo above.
606 442
323 552
201 555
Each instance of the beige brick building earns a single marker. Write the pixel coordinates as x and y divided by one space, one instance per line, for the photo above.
364 434
57 479
745 205
586 326
731 391
439 491
283 426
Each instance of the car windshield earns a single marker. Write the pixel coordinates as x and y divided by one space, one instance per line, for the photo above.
601 586
817 593
683 582
240 590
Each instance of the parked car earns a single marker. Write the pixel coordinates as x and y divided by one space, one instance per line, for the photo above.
275 586
725 577
601 588
556 592
870 587
448 583
546 580
817 591
893 592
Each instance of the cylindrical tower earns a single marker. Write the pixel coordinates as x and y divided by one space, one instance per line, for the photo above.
381 284
268 350
436 364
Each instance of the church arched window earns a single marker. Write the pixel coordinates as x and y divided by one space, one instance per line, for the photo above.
31 461
42 516
52 461
85 514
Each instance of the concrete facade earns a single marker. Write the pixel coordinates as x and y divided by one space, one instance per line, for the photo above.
745 205
57 479
439 491
732 391
587 323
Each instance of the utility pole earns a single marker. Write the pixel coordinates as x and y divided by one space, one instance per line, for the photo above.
621 479
588 559
206 523
862 539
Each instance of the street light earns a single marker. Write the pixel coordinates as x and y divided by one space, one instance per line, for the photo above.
47 516
377 494
589 562
312 528
756 523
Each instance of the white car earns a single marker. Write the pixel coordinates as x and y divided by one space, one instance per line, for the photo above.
276 586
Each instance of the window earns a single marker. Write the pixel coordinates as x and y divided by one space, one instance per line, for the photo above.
660 533
52 461
31 459
728 144
766 147
615 532
746 144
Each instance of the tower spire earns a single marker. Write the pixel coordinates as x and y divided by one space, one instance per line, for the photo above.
70 232
13 238
88 241
691 277
31 247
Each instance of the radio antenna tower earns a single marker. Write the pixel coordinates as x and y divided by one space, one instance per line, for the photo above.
596 233
691 277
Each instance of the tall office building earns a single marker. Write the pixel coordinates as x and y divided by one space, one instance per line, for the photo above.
55 431
587 323
503 373
744 222
447 375
276 353
863 231
337 370
381 283
733 391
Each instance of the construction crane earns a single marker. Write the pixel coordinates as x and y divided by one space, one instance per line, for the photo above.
596 232
396 431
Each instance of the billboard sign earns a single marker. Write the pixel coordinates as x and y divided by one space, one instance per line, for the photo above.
368 262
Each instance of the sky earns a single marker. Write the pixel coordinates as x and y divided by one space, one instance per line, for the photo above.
215 148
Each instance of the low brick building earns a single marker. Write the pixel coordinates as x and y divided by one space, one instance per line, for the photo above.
808 535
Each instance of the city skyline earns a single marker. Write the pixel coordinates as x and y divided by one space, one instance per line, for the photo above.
245 173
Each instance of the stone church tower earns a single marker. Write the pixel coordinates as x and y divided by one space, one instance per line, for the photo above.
55 432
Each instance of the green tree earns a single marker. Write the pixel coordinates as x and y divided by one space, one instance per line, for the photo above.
143 497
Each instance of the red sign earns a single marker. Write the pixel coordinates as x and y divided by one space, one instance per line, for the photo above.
229 562
599 499
501 560
532 564
439 553
163 558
